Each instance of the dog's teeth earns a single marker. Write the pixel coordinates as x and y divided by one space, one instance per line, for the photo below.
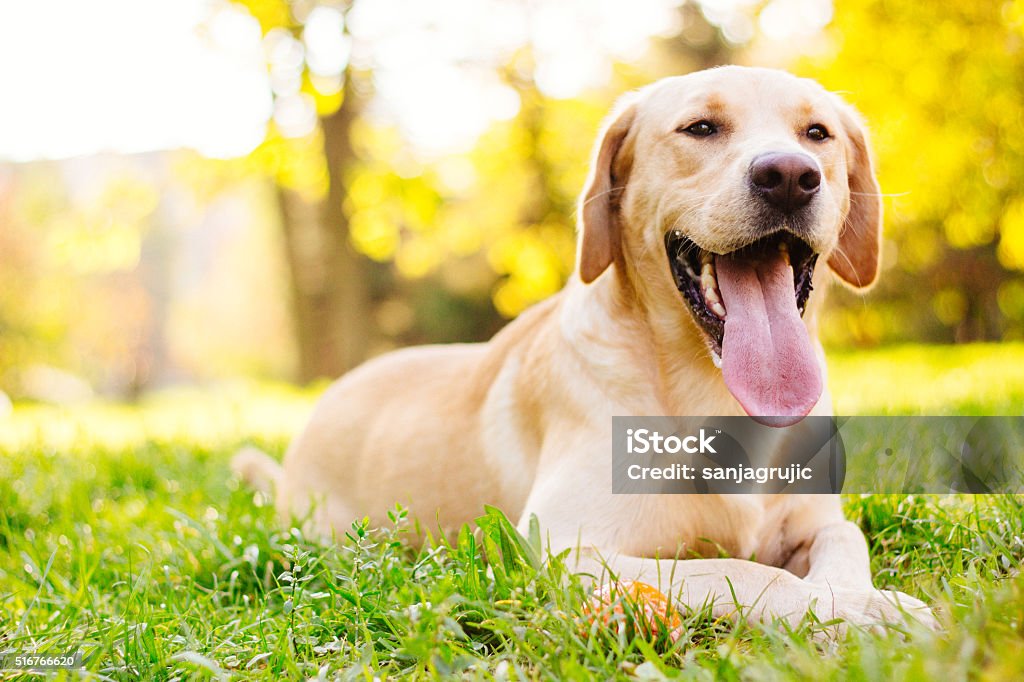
709 287
708 282
784 250
707 258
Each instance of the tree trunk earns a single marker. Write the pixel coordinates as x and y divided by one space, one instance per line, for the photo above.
329 280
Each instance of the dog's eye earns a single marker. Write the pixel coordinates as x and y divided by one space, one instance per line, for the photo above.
818 132
699 129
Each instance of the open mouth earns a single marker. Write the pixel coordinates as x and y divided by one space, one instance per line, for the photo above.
749 304
695 275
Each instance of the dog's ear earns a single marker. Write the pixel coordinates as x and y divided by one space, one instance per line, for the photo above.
856 256
598 226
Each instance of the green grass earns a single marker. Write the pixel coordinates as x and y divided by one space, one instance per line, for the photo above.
975 379
123 534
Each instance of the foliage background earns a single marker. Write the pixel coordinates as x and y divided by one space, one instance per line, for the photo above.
343 234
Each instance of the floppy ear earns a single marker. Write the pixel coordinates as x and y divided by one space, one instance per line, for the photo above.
599 230
856 257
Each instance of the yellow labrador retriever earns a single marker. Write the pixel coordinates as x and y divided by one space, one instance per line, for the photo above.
709 200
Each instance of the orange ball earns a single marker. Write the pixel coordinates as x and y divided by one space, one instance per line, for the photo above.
649 609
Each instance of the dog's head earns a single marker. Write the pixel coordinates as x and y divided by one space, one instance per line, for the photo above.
715 194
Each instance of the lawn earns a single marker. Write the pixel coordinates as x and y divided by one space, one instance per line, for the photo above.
123 534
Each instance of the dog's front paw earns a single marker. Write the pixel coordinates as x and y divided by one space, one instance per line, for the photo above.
894 607
877 608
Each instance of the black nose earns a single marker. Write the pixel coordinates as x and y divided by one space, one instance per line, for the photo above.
786 181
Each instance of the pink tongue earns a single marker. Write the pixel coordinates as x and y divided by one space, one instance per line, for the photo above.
767 358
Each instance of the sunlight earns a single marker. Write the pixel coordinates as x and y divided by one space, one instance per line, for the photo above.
137 75
129 76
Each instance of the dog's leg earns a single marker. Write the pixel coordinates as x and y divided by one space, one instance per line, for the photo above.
839 557
739 588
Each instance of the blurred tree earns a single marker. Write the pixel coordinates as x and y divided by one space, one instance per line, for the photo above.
22 333
330 280
942 85
70 294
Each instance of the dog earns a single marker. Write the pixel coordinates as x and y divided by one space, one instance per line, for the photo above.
710 198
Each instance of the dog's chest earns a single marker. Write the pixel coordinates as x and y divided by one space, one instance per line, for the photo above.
739 526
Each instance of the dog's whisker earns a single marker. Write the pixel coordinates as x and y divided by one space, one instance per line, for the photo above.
880 194
605 193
